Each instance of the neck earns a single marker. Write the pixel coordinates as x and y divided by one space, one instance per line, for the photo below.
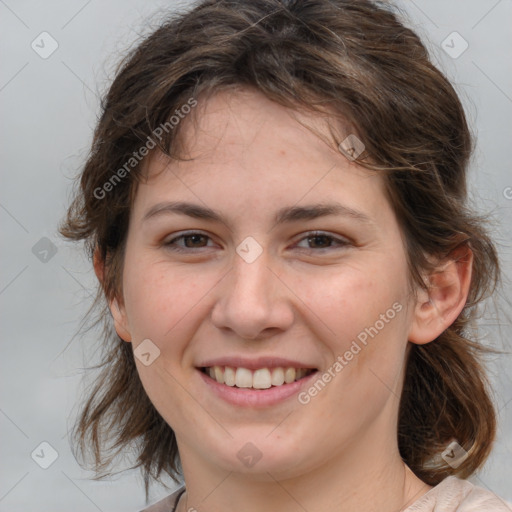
373 479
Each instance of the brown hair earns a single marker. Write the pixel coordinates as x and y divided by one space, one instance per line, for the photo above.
356 58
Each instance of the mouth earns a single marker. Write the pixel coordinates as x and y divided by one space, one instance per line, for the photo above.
257 379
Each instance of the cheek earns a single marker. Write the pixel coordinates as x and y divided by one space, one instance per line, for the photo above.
161 305
354 297
365 311
159 299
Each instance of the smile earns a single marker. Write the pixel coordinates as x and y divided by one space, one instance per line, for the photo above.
261 378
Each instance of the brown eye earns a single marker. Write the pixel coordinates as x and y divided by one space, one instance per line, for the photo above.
321 241
191 240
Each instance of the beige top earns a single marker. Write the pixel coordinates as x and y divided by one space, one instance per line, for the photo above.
456 495
451 495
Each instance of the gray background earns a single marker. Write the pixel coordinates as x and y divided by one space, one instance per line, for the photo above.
48 110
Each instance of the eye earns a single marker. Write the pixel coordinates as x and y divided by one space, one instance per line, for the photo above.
197 240
192 239
323 241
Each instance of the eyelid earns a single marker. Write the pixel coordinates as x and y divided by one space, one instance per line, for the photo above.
339 239
182 235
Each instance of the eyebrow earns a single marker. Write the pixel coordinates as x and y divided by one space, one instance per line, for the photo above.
287 214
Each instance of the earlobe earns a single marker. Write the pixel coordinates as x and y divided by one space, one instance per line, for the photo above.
99 265
440 305
120 320
118 313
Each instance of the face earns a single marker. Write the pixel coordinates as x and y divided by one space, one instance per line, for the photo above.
266 287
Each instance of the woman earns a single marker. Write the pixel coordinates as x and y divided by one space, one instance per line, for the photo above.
275 204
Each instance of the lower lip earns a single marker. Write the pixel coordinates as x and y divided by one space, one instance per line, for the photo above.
249 397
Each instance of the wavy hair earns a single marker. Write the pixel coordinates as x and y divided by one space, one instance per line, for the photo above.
355 58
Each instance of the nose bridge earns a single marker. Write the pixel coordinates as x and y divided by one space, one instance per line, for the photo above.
251 280
251 298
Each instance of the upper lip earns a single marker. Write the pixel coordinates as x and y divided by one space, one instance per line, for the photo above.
255 363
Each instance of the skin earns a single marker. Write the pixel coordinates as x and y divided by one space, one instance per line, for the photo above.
302 300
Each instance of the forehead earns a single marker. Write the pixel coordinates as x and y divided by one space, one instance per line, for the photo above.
231 122
246 152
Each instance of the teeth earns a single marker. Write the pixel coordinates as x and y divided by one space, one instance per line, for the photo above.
243 378
262 378
229 375
277 378
289 375
300 373
218 374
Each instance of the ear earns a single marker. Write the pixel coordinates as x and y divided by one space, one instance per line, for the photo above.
117 310
440 305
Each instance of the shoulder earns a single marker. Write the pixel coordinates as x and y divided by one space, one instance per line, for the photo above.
168 504
456 495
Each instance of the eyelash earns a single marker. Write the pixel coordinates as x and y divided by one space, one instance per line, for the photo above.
171 243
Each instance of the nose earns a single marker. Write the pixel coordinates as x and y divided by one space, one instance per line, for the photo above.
252 301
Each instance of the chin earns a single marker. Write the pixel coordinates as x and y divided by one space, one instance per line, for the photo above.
262 458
